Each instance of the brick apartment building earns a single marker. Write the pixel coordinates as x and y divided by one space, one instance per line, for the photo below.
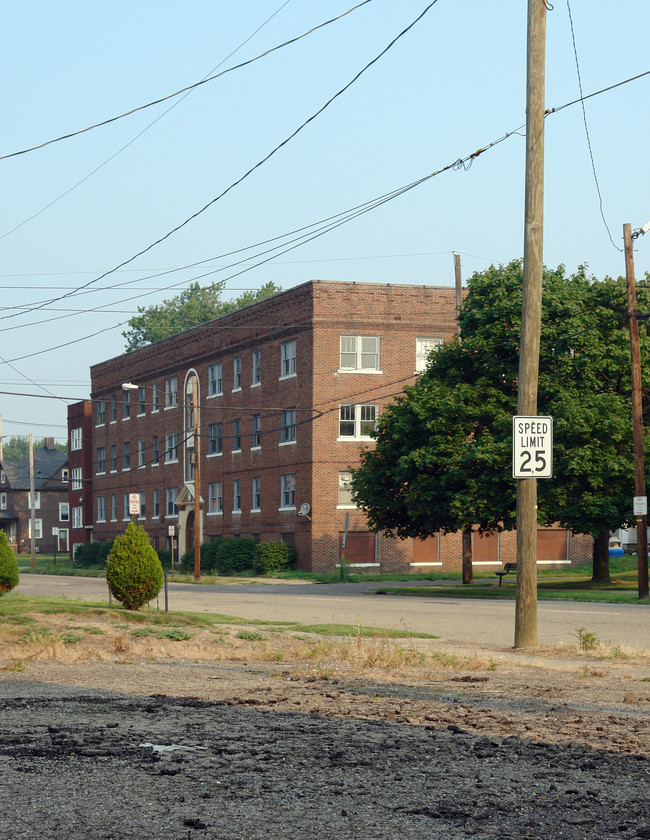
288 390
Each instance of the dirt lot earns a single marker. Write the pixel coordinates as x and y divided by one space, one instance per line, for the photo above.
296 738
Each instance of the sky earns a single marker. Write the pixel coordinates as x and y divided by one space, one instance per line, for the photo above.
80 217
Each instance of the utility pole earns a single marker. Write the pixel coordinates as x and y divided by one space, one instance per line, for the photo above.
1 452
637 413
468 572
32 502
531 319
197 480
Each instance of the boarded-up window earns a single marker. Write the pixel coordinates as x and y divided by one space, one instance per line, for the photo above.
361 547
551 545
485 548
426 551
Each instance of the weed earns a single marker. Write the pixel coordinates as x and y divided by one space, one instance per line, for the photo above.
70 638
493 665
250 636
18 665
35 636
175 634
586 640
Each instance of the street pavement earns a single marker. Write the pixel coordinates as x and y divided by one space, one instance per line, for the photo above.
460 621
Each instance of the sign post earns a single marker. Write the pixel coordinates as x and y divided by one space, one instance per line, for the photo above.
171 531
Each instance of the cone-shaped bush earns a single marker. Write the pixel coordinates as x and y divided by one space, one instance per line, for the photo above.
8 566
133 571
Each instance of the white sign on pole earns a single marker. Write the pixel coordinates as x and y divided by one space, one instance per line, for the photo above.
640 505
532 447
171 530
55 532
134 504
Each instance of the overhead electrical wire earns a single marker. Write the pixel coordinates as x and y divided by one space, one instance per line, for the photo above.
140 133
257 165
186 89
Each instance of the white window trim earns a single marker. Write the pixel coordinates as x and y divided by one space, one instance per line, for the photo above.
285 443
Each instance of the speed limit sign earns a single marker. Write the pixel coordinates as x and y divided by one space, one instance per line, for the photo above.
532 447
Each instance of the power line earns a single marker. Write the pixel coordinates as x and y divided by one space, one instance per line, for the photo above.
140 133
259 163
584 119
185 89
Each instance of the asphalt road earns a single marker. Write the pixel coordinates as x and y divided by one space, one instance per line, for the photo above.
466 622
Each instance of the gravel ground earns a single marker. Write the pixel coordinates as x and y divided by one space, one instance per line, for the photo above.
241 752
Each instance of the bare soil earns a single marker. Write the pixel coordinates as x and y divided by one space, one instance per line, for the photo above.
317 738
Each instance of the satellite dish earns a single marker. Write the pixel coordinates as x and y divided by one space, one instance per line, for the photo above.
304 509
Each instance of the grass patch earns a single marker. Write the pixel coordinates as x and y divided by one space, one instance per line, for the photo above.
174 634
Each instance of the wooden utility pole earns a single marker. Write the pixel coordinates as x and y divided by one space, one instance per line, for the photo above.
637 412
531 319
197 480
459 289
32 502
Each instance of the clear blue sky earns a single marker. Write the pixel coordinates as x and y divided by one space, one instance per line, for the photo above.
454 83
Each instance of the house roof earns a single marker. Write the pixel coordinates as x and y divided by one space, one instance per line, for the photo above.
47 463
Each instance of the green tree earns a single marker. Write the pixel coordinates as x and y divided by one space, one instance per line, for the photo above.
133 571
8 566
17 448
443 452
193 306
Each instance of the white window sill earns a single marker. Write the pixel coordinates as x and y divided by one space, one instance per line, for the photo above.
99 425
103 472
155 464
154 411
359 565
350 439
214 455
289 507
113 422
213 396
126 469
113 472
256 448
361 370
256 510
287 443
172 461
101 521
141 466
417 565
236 452
236 512
215 513
126 418
235 390
169 407
346 507
141 414
256 385
287 376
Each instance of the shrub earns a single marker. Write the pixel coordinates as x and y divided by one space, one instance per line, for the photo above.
272 557
222 557
8 566
133 571
93 554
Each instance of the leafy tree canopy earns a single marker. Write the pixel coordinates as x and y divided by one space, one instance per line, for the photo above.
17 448
443 450
193 306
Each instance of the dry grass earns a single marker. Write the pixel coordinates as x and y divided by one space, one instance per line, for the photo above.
52 638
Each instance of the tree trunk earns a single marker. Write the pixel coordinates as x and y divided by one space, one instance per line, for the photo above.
467 554
601 559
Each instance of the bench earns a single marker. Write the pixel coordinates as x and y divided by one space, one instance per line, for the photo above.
509 567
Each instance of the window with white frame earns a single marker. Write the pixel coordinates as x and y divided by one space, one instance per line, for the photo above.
288 358
101 459
142 458
77 479
126 463
257 493
3 501
257 368
345 489
215 497
125 507
75 439
215 380
287 490
101 508
359 353
171 447
113 457
236 435
143 505
3 477
65 475
288 428
37 500
38 529
101 413
113 409
155 454
214 438
171 391
171 494
236 373
77 517
423 348
236 496
113 507
155 399
142 405
256 441
126 405
64 511
357 421
155 504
